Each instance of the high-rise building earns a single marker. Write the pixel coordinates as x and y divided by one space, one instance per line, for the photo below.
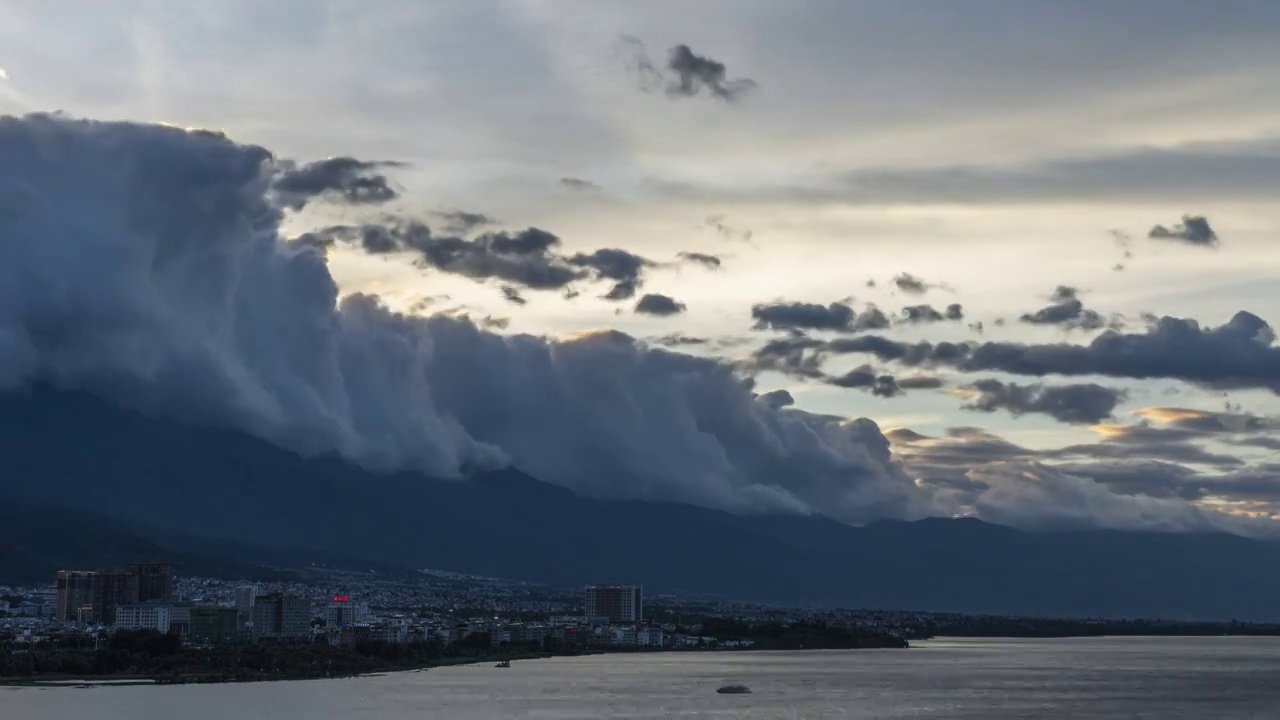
281 618
245 597
75 590
155 581
112 589
215 626
341 612
619 603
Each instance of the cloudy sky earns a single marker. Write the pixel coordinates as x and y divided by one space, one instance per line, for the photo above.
1019 236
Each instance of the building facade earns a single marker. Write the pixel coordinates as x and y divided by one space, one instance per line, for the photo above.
113 589
245 597
215 626
75 591
280 618
619 603
341 612
144 616
154 581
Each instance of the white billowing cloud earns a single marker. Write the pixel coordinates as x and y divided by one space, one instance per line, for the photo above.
144 263
4 74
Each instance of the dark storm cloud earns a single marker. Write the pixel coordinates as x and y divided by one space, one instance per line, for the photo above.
686 74
1238 354
836 317
789 356
341 178
512 295
879 383
920 382
461 222
927 314
580 185
1193 230
1067 311
623 290
708 261
679 340
1077 404
522 258
526 258
625 268
802 316
662 305
866 378
694 73
910 284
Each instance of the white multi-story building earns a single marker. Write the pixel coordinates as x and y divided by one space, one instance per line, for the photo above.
390 634
650 637
144 617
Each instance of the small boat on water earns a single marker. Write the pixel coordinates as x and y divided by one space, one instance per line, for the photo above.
734 690
503 664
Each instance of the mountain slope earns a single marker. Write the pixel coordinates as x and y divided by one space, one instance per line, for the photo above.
74 450
37 540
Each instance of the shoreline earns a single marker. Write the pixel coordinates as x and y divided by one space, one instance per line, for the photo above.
59 681
81 682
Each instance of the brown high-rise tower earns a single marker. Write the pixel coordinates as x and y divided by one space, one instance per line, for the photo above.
155 581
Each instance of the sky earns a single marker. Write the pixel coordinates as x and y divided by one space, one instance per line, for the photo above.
1018 236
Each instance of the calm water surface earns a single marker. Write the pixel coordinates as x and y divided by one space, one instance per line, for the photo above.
1098 679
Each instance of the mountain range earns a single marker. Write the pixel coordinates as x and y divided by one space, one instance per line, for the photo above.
85 481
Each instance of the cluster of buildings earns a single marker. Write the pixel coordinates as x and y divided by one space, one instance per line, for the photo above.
143 597
434 606
96 596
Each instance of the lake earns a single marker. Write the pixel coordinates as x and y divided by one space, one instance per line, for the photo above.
1156 678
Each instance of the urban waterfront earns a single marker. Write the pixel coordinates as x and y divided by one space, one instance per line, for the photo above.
1094 678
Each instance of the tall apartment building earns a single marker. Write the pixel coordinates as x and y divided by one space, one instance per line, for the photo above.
280 618
619 603
341 612
75 591
112 589
154 580
245 597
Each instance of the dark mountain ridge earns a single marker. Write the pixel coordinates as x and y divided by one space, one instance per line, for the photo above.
73 450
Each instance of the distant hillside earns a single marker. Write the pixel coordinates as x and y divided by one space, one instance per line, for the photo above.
72 449
38 540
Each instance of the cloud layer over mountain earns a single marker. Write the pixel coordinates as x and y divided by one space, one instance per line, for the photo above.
146 264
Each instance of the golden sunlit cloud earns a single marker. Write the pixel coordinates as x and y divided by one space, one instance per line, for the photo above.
1170 415
1110 431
